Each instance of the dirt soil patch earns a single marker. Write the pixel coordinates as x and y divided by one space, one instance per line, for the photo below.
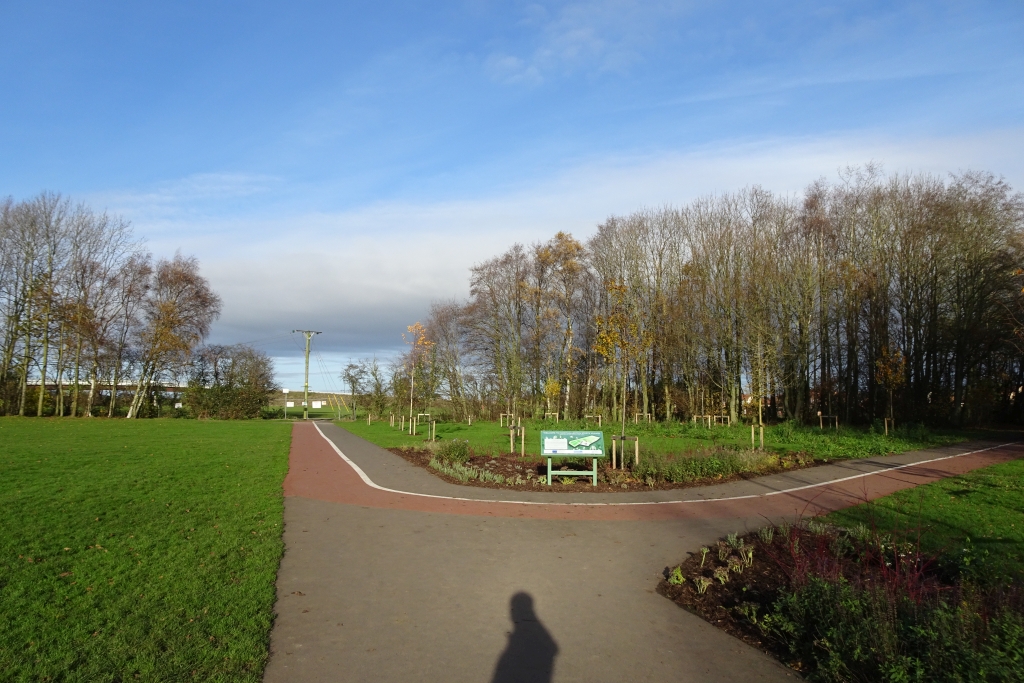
532 474
756 587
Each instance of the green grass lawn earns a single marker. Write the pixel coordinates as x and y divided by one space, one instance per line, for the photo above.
672 439
314 413
985 506
138 550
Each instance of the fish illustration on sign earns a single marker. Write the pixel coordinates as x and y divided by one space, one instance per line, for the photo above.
583 441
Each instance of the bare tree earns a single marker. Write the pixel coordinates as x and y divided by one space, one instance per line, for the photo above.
751 304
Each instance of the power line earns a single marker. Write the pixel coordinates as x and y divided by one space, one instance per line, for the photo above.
328 378
305 394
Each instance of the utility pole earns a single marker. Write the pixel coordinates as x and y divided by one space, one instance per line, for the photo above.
305 394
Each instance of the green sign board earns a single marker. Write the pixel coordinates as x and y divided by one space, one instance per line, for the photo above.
572 444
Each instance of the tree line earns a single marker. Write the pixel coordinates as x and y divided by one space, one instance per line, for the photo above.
868 297
85 308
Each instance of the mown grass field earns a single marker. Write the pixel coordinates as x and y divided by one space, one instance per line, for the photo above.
976 520
138 550
671 439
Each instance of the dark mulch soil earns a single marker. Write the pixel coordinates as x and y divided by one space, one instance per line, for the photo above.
608 480
757 586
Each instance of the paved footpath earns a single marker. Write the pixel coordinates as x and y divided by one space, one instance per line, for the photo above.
391 574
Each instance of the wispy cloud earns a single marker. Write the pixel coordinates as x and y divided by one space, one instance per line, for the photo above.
593 36
194 194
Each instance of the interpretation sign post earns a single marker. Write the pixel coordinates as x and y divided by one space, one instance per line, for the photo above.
566 444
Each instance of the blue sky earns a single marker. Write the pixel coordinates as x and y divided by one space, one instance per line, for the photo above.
339 166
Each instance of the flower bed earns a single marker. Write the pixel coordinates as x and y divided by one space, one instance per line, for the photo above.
843 604
508 471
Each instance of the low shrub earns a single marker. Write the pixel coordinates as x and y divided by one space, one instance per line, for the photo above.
786 431
896 597
452 451
464 472
454 470
225 403
859 605
842 632
714 463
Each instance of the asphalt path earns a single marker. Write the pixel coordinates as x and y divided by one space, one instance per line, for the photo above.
391 574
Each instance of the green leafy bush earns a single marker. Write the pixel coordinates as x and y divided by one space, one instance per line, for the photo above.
229 383
226 403
452 451
841 632
721 462
786 431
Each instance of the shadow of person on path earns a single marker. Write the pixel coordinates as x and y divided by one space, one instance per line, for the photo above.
530 654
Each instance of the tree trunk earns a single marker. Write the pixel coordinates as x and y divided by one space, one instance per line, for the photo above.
668 398
140 389
77 377
113 388
92 390
45 359
59 375
26 360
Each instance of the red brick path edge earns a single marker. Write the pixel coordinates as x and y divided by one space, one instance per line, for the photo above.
319 470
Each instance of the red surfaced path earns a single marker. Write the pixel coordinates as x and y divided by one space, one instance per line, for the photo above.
316 471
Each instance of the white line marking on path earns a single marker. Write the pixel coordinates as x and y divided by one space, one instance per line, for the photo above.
370 482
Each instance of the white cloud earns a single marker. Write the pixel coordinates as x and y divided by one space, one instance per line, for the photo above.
362 275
